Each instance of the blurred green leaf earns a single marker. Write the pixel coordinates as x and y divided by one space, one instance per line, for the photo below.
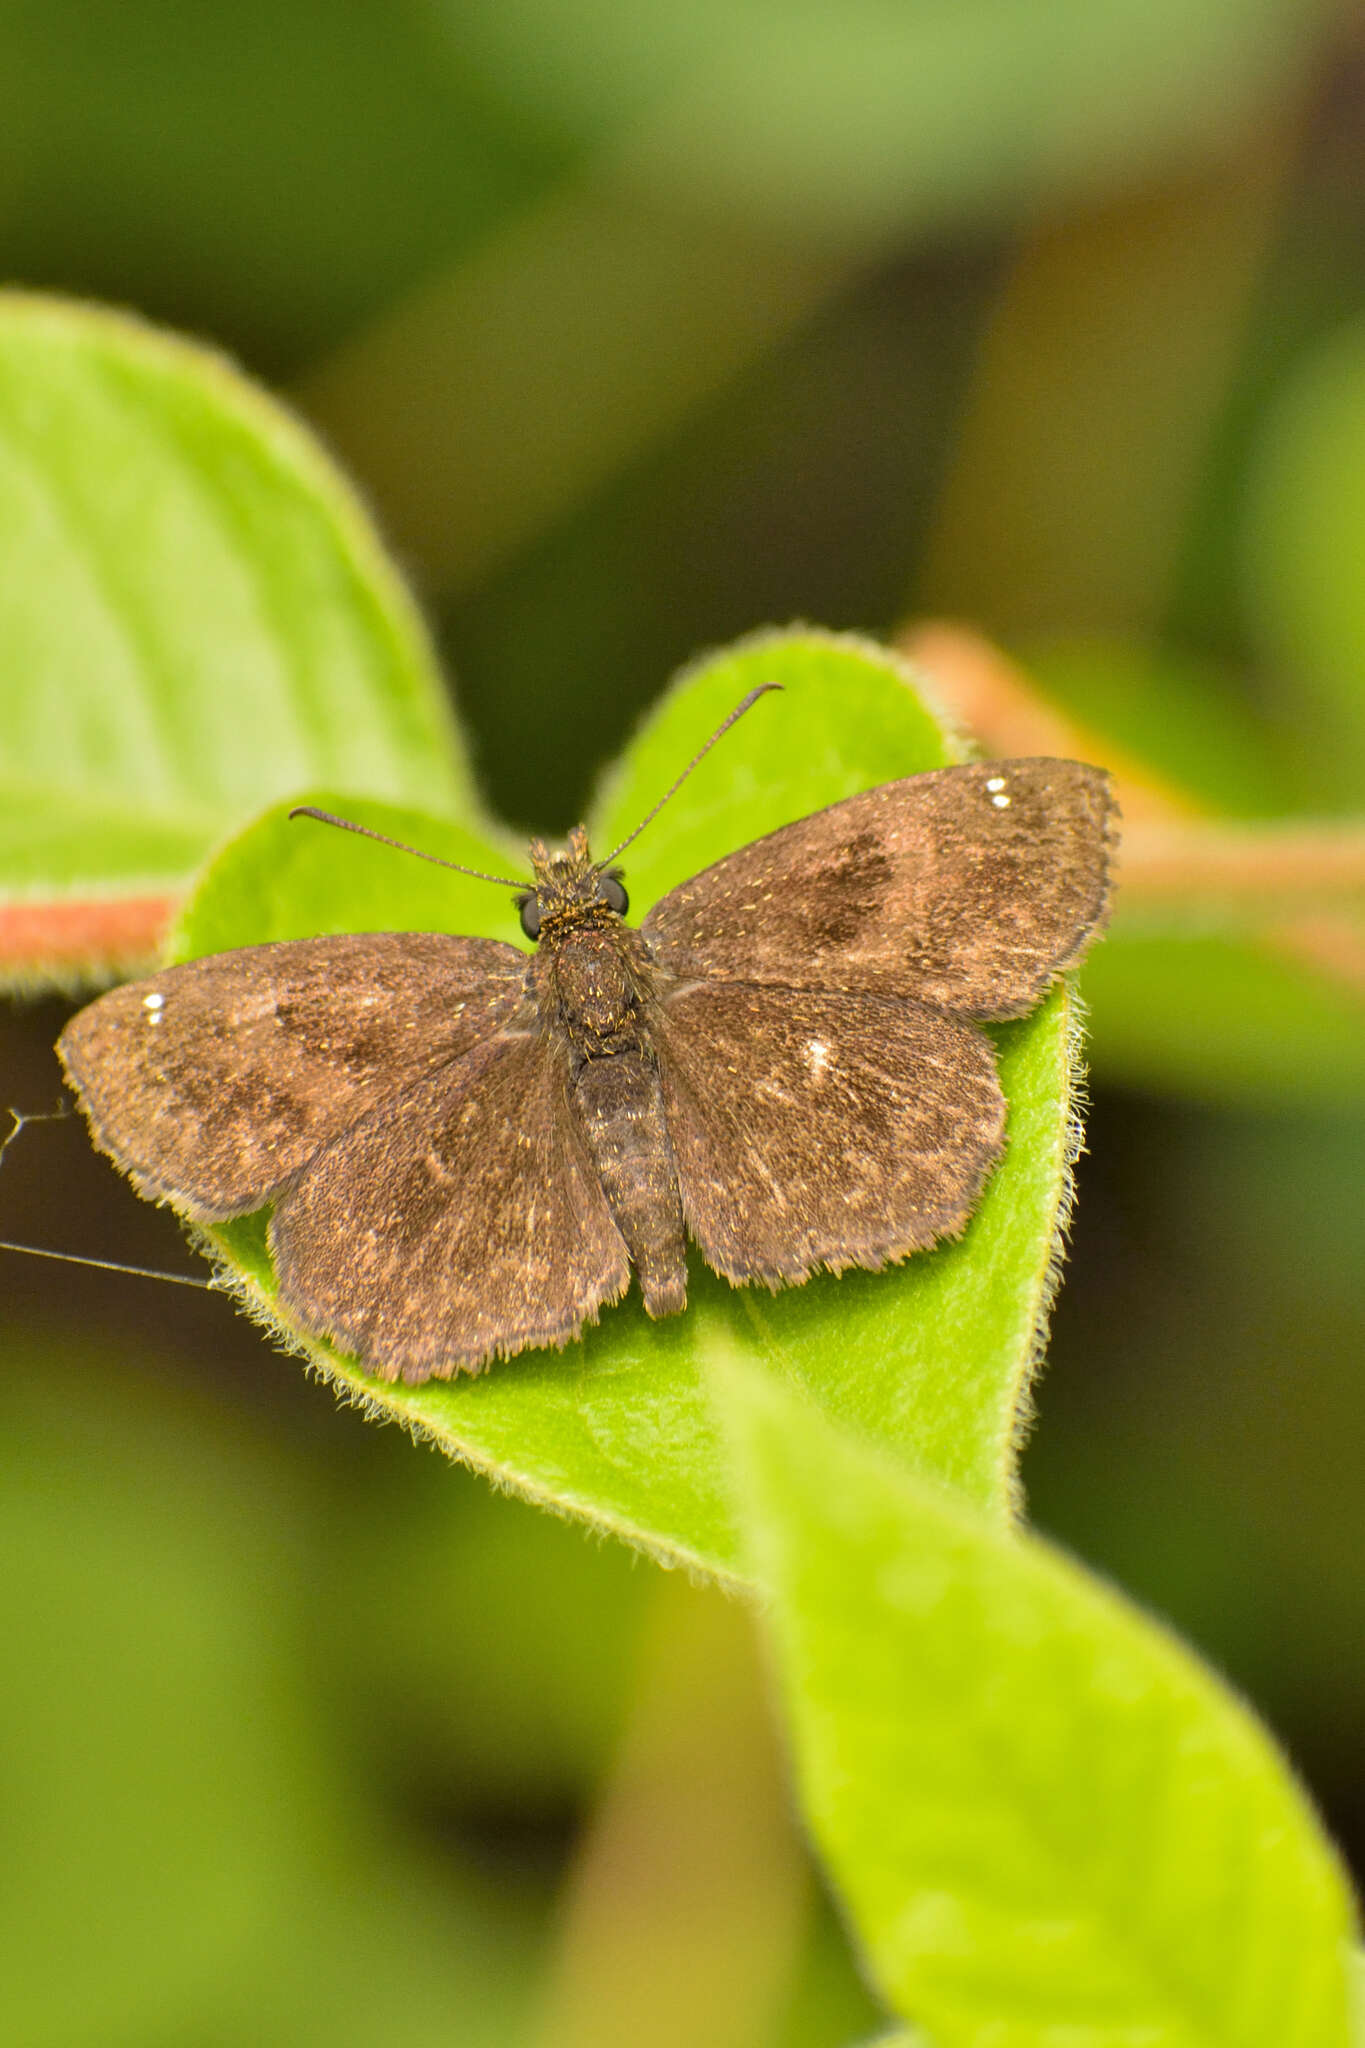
743 166
1047 1820
1098 387
1200 1419
931 1358
190 1855
829 2004
272 173
482 1651
492 401
194 614
1304 560
859 118
1223 1019
1173 712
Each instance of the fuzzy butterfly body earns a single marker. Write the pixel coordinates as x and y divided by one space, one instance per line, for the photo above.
467 1151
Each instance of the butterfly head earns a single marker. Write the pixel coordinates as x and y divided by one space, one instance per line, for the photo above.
570 890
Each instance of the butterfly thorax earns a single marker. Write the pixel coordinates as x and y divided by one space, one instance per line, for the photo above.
592 973
593 984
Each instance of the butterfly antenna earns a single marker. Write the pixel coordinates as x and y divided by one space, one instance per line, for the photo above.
20 1119
745 704
36 1251
367 832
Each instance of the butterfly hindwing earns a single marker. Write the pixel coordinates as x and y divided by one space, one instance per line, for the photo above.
464 1221
211 1083
967 889
816 1129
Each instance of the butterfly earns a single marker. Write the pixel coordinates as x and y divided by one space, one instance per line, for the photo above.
468 1150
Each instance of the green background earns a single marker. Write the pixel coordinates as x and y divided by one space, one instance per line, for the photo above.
639 329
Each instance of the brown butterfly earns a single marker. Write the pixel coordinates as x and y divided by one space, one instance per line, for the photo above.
468 1149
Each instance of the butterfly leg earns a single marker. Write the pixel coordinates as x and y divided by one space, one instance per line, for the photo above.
620 1104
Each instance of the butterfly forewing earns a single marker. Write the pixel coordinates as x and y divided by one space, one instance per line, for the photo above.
967 888
212 1083
463 1222
812 1128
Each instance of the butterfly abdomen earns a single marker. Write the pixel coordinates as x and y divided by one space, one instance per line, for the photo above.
594 980
620 1105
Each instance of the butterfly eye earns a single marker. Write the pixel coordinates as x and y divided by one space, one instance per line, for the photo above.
612 892
529 908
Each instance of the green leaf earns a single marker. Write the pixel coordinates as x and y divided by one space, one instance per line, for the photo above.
930 1358
1048 1822
195 617
167 1754
900 2039
1304 562
277 173
866 119
1172 711
1225 1019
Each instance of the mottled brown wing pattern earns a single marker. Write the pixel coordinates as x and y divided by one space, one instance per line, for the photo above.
967 889
462 1223
212 1083
817 1129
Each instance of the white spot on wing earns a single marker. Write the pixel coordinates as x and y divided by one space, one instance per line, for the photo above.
817 1057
